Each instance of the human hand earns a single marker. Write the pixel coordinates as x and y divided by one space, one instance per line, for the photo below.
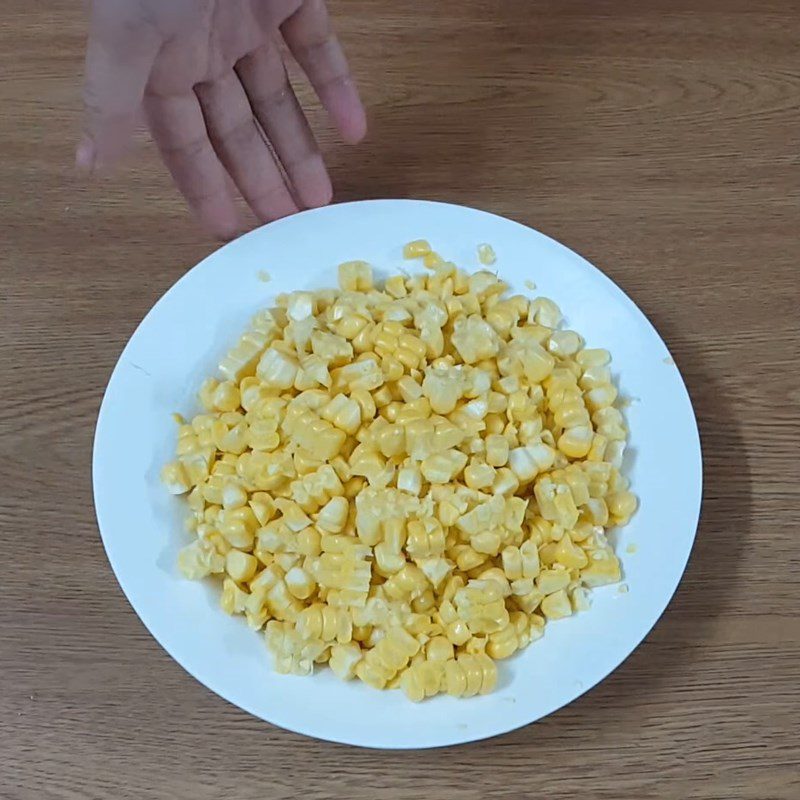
210 78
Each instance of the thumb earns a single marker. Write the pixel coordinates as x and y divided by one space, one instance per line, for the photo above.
119 57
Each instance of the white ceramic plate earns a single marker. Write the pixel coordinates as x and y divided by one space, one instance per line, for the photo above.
182 339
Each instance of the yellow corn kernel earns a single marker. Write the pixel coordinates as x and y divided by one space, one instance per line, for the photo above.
344 660
423 679
594 377
391 654
557 605
601 397
395 286
319 621
552 580
240 566
242 359
407 584
175 479
343 412
576 442
199 559
300 583
505 642
425 538
232 600
416 249
474 339
355 276
439 648
593 358
564 343
569 554
469 675
277 369
622 505
480 604
603 568
544 312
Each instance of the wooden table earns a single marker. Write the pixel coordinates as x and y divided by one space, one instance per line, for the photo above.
660 139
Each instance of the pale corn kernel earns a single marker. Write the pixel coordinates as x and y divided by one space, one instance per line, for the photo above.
409 389
300 583
505 482
226 396
333 515
395 286
409 479
564 343
486 254
443 467
431 260
233 496
474 339
443 389
496 450
479 476
527 462
593 358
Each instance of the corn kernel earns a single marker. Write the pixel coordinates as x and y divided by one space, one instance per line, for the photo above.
416 249
240 566
557 605
355 276
486 254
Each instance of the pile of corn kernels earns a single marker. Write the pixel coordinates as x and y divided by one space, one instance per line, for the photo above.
405 482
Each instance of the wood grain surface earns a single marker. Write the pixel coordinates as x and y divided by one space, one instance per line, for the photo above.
659 139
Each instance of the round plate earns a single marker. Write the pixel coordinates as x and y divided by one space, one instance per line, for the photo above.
181 341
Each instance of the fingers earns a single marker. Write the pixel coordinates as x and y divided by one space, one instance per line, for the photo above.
179 130
275 106
242 149
310 37
119 57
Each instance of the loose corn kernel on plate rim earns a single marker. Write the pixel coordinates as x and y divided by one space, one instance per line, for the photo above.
190 328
